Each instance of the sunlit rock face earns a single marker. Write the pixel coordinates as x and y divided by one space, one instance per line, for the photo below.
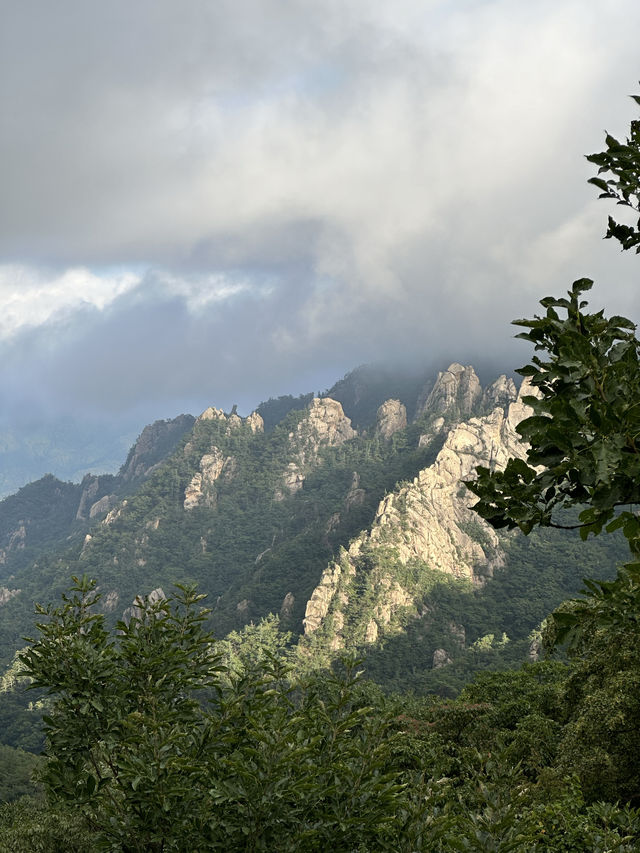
325 425
457 390
200 490
391 417
429 520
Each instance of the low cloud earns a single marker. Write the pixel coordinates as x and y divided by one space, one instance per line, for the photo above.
228 199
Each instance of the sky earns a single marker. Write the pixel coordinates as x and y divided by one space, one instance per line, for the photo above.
215 202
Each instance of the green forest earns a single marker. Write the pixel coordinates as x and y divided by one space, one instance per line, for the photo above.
191 723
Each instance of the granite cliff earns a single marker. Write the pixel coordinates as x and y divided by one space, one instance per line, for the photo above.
424 523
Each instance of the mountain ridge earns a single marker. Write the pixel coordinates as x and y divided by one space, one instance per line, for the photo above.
263 519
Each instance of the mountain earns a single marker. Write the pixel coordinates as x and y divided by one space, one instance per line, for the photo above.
345 517
70 447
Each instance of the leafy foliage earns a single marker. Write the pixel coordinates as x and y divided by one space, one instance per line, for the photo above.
262 764
583 450
622 160
582 435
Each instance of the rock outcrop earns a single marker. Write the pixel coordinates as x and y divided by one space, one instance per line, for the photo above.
325 425
104 504
7 594
440 658
501 393
391 417
457 391
142 604
156 441
321 598
425 522
255 422
201 489
233 421
16 541
90 486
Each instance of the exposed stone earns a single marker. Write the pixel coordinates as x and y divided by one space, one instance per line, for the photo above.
371 633
501 393
293 478
7 594
429 520
193 492
440 658
318 605
255 422
103 505
110 601
519 410
286 608
156 440
456 390
115 513
141 604
212 414
325 425
391 417
242 608
200 490
16 542
534 651
334 521
211 466
90 486
436 428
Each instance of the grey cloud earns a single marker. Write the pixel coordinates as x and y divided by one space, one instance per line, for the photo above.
392 180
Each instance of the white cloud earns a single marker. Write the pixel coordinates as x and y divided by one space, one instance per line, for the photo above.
30 298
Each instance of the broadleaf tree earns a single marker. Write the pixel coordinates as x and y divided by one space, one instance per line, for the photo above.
584 456
160 749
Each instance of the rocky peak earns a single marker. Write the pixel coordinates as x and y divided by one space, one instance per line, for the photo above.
325 425
429 520
255 422
156 441
233 421
391 417
212 414
501 393
519 410
456 390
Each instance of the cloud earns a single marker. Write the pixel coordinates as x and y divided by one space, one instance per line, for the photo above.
231 194
31 298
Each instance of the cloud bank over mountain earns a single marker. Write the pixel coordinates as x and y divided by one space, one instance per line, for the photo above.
209 203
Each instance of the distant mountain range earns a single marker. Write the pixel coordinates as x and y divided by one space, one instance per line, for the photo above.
344 515
64 446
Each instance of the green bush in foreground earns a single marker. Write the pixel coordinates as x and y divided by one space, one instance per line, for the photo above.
257 762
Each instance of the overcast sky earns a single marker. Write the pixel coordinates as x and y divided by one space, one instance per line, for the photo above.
218 201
